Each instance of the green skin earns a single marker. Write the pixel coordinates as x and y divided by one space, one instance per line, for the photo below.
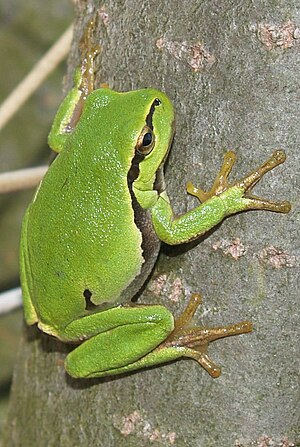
80 233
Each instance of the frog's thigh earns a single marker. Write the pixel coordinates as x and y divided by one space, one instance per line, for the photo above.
127 335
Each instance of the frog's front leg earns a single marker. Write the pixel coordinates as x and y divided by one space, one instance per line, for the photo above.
125 339
70 109
222 200
245 186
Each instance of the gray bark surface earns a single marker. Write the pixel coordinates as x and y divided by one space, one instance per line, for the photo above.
232 72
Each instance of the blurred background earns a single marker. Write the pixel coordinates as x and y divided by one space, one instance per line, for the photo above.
27 30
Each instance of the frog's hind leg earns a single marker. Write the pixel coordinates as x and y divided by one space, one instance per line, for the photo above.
137 337
116 339
25 275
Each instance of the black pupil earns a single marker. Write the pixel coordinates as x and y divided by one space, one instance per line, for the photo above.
147 139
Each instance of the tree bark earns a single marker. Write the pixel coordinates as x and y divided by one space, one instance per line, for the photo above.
232 72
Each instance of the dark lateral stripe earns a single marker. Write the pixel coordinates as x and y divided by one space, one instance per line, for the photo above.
159 180
142 217
149 118
134 170
143 221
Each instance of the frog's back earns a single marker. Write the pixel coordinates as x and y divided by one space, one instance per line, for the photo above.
82 241
80 238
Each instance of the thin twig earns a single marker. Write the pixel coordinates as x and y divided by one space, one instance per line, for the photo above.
21 179
10 300
36 76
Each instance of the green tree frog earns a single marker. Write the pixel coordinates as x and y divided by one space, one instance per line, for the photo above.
92 233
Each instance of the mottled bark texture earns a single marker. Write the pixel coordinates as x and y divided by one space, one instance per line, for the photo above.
232 71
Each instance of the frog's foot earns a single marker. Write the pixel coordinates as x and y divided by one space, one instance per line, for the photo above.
245 185
193 341
220 183
89 50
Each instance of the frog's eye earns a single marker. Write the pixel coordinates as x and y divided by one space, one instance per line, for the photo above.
145 142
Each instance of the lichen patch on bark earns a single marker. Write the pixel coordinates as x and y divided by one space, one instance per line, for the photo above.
195 55
282 36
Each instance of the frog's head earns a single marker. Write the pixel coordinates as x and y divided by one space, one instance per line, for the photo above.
136 130
152 144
